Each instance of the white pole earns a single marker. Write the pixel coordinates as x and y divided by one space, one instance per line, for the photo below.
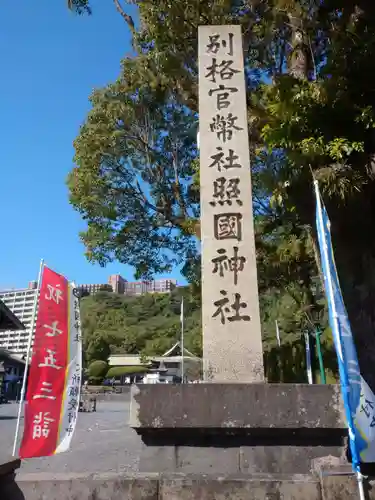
182 347
308 358
32 326
277 333
361 488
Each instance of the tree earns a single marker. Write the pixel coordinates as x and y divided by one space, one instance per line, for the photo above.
335 143
84 7
133 180
154 322
98 369
147 325
97 348
310 113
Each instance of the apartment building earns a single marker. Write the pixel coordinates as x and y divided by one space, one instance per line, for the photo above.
94 288
153 286
21 303
117 283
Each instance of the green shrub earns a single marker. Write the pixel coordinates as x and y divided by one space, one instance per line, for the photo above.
95 380
118 371
98 369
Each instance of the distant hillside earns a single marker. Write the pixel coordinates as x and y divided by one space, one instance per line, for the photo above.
148 324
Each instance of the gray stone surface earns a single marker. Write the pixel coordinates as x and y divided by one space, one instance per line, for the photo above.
103 442
207 460
325 464
232 349
239 488
272 406
283 459
237 428
189 460
331 484
244 459
344 487
162 459
118 398
99 487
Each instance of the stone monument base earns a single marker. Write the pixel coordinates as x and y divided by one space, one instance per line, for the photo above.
237 428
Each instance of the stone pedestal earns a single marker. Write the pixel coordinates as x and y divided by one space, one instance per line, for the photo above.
237 428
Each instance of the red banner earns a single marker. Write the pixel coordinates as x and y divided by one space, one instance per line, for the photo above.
47 378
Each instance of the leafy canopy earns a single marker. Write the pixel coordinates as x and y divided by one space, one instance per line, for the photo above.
145 325
310 110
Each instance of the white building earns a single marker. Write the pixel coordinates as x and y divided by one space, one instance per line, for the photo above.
171 361
21 303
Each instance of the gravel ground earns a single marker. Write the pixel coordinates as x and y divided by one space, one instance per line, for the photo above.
103 442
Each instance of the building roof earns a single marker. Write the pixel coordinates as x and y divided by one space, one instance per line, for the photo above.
5 354
125 360
135 360
176 348
175 359
8 320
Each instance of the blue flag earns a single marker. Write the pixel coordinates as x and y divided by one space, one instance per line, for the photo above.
359 400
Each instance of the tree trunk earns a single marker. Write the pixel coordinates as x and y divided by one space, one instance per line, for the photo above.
352 228
300 60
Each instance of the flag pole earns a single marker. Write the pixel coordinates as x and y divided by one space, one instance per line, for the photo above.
323 379
308 358
345 382
182 342
28 352
277 333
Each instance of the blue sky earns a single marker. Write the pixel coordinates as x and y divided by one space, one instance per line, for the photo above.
51 60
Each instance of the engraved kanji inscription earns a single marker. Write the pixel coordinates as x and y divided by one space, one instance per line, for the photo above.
223 70
224 263
224 126
226 191
222 96
215 43
224 308
224 162
228 226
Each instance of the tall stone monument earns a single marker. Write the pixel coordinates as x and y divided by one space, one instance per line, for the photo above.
232 342
233 425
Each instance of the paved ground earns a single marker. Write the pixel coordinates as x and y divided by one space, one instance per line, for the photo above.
102 442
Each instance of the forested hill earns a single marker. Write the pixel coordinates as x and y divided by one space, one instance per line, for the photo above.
147 324
150 325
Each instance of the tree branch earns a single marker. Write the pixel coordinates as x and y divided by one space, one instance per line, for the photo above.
128 19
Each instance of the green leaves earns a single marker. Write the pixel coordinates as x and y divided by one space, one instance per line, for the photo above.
148 324
133 183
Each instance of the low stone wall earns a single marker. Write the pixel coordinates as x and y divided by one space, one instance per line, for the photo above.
237 428
110 396
327 485
183 487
